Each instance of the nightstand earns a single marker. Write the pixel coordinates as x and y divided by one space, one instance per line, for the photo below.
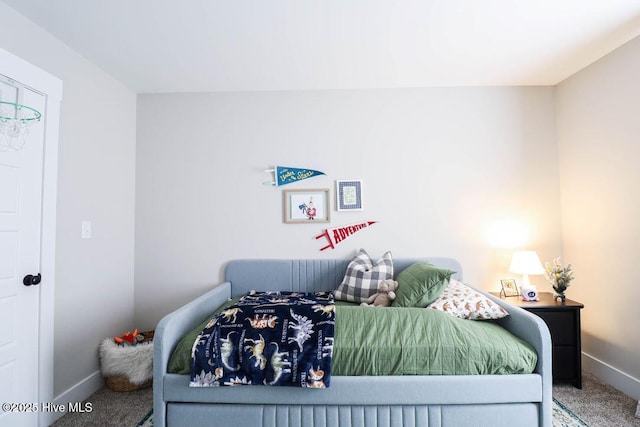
563 320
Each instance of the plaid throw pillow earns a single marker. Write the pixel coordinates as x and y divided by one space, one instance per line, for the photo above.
362 277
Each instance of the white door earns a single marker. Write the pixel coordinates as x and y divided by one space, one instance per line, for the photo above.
15 200
21 183
21 174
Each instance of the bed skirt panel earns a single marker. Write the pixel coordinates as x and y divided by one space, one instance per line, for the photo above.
241 415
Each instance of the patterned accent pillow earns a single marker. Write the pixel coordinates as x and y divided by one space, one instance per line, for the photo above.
461 301
362 277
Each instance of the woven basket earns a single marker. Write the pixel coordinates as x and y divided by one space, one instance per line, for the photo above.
121 382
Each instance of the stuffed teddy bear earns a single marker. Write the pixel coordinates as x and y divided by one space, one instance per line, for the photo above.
384 296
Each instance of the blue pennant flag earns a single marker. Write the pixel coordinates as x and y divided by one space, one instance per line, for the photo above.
286 175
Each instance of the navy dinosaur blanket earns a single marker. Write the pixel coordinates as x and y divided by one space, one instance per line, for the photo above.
270 338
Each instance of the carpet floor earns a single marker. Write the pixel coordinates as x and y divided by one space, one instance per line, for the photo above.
597 404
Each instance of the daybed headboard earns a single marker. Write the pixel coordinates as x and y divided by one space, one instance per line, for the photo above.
305 275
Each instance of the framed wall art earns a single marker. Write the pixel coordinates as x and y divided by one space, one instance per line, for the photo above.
306 206
349 195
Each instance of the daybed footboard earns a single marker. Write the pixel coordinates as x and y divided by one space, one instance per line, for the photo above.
480 400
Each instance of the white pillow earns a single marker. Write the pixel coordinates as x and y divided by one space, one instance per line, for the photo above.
362 277
461 301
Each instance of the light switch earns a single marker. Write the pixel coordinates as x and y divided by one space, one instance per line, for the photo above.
86 229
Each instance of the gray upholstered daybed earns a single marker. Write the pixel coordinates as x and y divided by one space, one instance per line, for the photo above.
413 400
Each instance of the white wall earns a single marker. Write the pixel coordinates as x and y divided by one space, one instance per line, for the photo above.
598 120
439 166
94 280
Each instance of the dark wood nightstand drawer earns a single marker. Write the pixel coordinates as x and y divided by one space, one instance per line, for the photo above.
562 325
564 363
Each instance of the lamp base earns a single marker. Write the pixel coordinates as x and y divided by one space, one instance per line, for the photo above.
529 293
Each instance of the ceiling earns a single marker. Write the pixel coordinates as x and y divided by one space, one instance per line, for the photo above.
242 45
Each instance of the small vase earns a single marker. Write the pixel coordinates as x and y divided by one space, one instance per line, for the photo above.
559 292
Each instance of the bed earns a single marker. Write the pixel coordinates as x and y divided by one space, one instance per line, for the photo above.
395 400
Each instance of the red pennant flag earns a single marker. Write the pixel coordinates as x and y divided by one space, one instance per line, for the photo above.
338 234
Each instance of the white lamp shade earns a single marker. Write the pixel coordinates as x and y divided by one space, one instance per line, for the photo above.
526 262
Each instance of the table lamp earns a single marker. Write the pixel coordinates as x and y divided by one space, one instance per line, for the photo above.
526 263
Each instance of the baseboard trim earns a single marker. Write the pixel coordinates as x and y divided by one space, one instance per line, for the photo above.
75 394
611 375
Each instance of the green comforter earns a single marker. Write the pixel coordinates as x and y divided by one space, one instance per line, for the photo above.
408 341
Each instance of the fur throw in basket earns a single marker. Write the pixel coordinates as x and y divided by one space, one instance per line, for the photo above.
134 362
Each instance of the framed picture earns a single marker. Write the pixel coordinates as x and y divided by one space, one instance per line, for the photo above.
306 206
349 195
509 288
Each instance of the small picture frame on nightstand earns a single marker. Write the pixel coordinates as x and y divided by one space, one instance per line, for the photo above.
509 288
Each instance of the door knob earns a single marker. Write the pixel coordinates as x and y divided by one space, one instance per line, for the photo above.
31 280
